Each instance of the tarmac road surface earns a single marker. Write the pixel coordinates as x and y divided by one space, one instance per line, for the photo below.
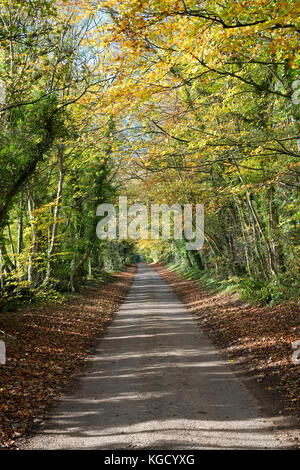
156 382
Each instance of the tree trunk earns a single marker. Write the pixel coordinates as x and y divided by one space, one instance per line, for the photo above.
275 243
7 265
52 246
12 248
257 223
76 270
32 277
20 227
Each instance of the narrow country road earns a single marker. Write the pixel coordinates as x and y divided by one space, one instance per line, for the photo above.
156 382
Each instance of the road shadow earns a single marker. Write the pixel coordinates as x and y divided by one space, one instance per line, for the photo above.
157 382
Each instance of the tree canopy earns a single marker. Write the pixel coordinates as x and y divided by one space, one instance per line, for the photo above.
166 102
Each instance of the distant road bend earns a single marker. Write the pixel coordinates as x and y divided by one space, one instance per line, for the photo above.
156 382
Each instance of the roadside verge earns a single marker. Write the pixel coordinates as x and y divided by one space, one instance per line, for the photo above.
258 338
46 347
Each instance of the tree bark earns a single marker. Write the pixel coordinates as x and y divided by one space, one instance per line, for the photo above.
52 246
32 277
20 227
74 275
12 248
275 242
